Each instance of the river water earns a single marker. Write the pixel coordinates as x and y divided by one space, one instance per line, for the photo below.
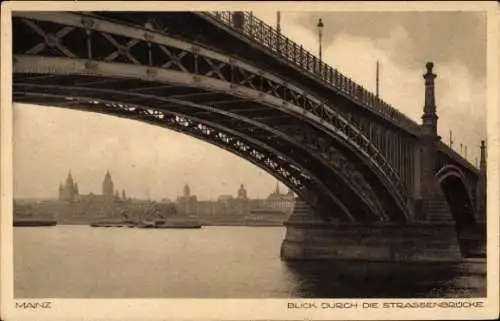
212 262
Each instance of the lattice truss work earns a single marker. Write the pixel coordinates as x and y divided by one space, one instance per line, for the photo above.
263 142
290 174
95 39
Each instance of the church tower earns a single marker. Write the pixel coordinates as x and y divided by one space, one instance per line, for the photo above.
69 190
61 189
242 193
68 187
107 185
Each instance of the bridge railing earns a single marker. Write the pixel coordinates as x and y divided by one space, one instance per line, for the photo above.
272 39
450 152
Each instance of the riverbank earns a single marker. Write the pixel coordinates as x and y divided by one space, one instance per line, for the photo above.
202 222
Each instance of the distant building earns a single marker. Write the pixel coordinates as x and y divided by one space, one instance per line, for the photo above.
242 193
279 201
107 185
187 202
240 205
74 208
225 198
68 191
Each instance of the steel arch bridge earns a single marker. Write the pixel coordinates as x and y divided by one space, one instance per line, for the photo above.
232 81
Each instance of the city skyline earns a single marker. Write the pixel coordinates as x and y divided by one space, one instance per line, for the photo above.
278 188
156 162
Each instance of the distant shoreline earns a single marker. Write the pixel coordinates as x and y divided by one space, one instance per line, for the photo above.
260 224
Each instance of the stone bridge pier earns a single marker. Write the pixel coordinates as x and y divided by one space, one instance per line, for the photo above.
307 237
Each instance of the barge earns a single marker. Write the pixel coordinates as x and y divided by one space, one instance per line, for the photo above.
34 222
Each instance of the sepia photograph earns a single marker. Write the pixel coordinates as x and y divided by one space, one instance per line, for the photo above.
312 155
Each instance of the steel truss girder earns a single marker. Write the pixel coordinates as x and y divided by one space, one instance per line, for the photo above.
50 40
361 187
327 156
264 156
239 75
267 83
24 64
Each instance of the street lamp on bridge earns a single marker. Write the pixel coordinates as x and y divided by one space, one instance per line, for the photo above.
320 33
278 22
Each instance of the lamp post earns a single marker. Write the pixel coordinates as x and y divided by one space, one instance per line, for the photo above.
320 33
278 22
278 30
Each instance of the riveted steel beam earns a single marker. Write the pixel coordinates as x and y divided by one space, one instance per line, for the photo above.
317 110
122 109
275 89
107 93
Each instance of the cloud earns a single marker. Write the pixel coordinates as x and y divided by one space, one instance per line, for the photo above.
436 36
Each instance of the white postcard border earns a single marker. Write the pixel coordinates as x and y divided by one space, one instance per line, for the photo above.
242 309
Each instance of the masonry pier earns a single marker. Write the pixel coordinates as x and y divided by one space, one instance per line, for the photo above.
309 238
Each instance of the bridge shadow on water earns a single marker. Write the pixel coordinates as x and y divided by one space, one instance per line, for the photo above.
358 279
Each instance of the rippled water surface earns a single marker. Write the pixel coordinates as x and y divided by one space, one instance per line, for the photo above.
212 262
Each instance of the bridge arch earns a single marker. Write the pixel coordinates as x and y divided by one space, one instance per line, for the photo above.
294 175
335 131
458 194
262 156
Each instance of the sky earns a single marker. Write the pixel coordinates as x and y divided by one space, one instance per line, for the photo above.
152 162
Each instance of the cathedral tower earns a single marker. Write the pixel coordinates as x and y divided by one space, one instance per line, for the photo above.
69 190
107 185
61 189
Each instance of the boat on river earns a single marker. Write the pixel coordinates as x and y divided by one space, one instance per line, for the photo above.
107 224
170 224
154 221
32 222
